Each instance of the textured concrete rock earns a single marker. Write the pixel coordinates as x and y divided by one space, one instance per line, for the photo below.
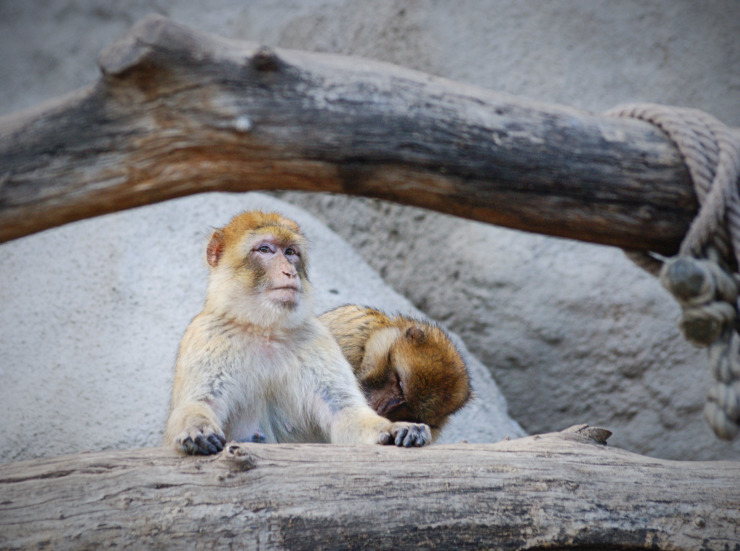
572 332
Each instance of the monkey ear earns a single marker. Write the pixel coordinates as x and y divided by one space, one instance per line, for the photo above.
215 248
415 334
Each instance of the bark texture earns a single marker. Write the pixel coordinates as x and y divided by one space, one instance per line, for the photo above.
557 491
178 112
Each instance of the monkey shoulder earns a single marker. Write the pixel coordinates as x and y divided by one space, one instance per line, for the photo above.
324 355
352 318
316 339
208 334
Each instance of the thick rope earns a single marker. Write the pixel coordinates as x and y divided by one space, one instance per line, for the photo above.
702 277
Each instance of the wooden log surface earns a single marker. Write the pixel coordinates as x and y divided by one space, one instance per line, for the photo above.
178 112
557 491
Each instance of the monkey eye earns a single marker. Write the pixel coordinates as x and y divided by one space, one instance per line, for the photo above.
290 251
264 249
395 380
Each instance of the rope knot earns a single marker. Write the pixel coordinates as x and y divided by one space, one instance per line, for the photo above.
706 294
702 277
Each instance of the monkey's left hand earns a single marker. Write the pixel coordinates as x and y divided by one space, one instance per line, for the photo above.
202 439
407 434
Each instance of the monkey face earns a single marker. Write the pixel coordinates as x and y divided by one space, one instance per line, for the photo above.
387 396
276 269
258 271
422 380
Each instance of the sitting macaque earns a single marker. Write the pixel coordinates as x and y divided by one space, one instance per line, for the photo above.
408 369
256 364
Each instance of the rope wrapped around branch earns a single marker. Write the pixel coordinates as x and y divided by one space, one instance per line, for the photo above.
703 276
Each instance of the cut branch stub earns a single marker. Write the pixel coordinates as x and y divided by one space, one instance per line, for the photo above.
588 433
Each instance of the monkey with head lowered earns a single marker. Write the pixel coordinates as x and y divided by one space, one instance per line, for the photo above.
408 369
256 361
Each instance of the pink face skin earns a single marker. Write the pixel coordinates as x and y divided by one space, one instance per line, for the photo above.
280 268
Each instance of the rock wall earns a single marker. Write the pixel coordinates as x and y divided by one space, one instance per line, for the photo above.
571 332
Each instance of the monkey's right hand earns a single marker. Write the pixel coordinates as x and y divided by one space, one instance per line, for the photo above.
202 439
406 434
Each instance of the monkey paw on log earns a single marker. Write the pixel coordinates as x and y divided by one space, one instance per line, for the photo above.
257 362
408 369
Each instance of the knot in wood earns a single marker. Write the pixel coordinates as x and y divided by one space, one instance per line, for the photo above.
238 457
265 59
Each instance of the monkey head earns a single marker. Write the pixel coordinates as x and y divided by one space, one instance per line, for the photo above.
259 267
414 373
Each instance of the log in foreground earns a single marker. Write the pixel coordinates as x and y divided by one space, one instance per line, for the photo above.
178 112
560 490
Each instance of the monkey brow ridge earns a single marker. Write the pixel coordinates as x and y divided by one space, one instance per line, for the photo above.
282 233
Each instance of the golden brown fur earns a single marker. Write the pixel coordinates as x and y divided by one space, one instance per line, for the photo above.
408 369
256 364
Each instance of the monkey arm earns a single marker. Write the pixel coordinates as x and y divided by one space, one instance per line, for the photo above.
351 419
194 429
361 425
194 425
375 363
197 416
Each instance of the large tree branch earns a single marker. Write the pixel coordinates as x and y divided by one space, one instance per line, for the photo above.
180 112
555 491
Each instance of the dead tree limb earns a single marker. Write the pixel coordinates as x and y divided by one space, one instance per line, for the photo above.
560 490
178 112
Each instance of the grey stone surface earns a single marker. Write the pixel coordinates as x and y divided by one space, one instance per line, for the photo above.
572 332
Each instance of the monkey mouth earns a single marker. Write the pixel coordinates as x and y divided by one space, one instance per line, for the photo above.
285 294
387 407
294 288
